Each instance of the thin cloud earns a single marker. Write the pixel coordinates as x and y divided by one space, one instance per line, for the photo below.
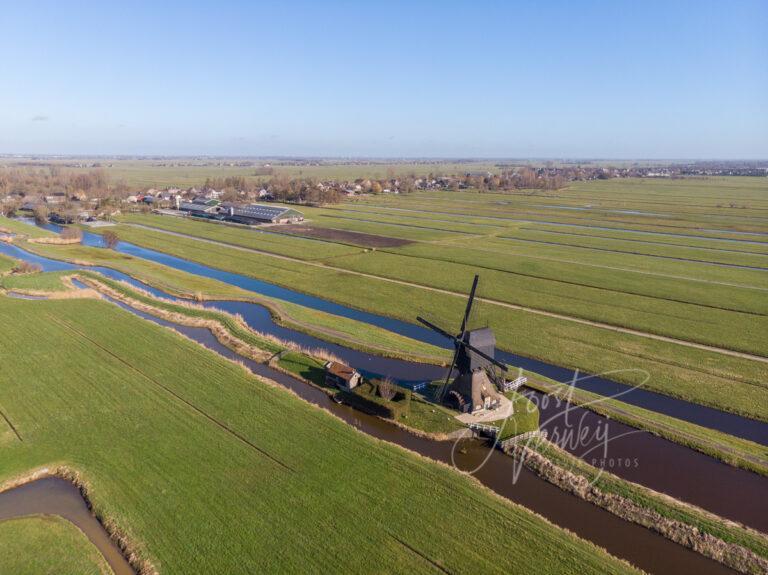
40 118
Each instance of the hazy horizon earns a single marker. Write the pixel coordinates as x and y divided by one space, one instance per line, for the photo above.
424 80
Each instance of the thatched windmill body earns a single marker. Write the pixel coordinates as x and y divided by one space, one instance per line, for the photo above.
472 389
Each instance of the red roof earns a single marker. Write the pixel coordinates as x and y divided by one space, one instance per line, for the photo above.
340 370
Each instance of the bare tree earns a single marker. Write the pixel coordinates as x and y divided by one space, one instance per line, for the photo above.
72 233
41 215
387 389
110 239
26 268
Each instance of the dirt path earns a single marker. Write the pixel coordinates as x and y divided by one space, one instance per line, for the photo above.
545 313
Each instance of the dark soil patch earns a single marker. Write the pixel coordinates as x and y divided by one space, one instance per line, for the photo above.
342 236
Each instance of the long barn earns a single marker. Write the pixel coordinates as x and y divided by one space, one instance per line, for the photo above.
258 213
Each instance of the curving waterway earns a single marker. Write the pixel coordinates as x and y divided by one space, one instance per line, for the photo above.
55 496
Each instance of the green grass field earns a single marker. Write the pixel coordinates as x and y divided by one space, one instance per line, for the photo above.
207 468
42 544
6 264
47 282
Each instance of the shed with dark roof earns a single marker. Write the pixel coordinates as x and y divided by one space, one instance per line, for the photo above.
259 214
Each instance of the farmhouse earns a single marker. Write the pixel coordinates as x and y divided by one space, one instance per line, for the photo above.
341 375
258 213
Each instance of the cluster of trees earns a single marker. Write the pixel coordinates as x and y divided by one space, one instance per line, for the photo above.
52 179
517 179
72 233
110 239
302 190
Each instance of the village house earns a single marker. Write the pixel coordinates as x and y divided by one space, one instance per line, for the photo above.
55 198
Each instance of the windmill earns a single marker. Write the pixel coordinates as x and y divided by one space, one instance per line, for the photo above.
472 388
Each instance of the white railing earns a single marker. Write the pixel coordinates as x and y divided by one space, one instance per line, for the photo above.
515 384
536 434
491 430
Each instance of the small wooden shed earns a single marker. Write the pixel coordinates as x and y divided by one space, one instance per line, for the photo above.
342 376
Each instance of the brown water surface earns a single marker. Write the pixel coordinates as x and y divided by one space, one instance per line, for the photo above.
56 496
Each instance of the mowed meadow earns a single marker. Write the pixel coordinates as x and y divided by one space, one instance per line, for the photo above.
210 469
666 276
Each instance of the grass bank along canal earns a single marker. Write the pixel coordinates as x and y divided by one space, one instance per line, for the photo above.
732 424
56 496
632 454
636 544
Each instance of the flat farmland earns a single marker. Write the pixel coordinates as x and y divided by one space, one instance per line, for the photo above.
209 468
699 283
739 210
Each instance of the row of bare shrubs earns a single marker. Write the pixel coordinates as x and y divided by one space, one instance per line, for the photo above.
222 334
729 554
70 235
24 267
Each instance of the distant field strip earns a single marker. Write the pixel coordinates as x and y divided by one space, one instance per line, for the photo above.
635 253
730 249
391 275
580 223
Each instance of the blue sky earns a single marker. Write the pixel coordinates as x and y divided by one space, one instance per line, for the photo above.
440 79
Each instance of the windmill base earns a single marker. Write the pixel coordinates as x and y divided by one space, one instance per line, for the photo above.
477 391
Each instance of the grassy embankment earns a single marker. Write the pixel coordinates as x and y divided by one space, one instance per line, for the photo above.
47 544
9 225
6 264
34 282
697 375
208 468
